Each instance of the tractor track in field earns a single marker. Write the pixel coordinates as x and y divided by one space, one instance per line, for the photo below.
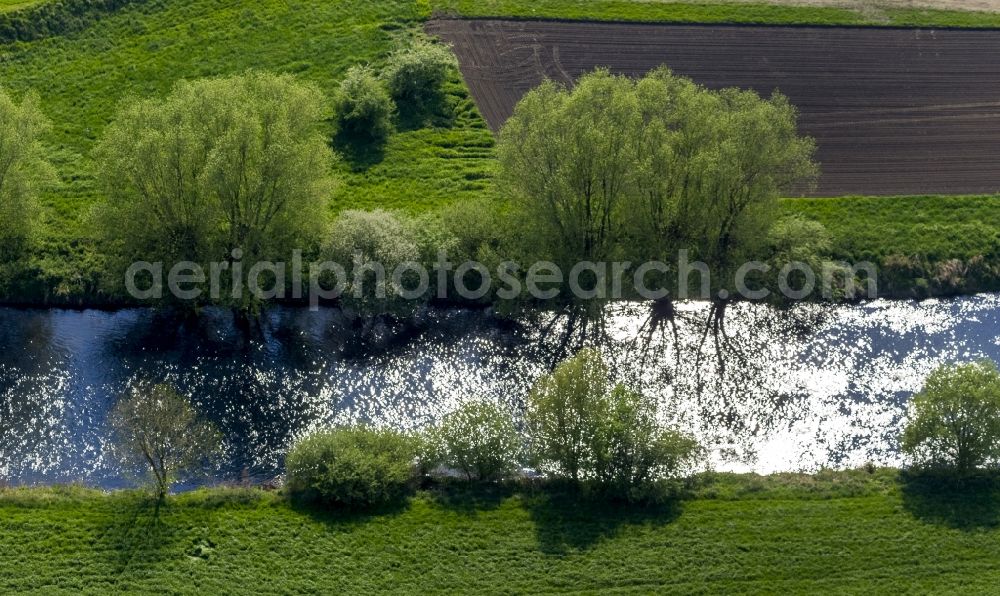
893 111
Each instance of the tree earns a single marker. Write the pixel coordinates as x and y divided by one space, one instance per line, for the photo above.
24 170
415 76
371 246
354 467
633 452
566 158
639 169
480 440
220 170
157 430
954 421
363 108
563 409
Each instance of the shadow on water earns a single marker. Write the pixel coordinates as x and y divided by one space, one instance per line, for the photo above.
966 504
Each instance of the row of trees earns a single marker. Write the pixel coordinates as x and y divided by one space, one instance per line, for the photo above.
219 171
577 427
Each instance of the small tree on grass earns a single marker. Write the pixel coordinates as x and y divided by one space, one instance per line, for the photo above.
158 431
363 107
415 75
480 440
633 452
609 437
562 411
955 420
23 170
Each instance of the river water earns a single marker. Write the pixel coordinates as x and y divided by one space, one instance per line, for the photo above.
766 390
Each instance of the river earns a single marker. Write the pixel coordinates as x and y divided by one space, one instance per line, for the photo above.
768 390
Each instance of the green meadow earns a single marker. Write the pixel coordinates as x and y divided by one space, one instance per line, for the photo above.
848 532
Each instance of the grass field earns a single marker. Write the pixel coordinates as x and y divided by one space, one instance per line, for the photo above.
144 49
850 532
9 5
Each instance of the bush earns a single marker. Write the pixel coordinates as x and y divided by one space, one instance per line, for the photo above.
363 108
157 431
564 409
352 467
586 430
373 245
480 440
633 454
415 75
954 421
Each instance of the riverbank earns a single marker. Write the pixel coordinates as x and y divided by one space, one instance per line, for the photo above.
835 531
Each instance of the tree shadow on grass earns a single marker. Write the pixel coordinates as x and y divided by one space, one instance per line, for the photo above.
968 504
137 535
566 521
471 498
359 154
345 518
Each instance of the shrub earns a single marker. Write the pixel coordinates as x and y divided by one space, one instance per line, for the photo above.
415 75
373 245
563 413
352 467
610 437
633 454
157 430
363 107
954 421
480 440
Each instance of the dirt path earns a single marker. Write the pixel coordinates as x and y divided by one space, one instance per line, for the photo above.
894 112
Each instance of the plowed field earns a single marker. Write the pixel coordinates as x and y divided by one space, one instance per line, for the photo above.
894 111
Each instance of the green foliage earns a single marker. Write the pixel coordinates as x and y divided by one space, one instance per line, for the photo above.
633 454
480 440
563 415
142 50
646 168
363 108
584 429
916 242
222 169
24 171
415 75
955 420
158 432
29 20
351 467
795 533
372 246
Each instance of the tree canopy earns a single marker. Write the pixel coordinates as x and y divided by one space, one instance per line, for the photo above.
220 165
24 170
623 168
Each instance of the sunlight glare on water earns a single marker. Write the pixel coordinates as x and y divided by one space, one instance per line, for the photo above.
766 389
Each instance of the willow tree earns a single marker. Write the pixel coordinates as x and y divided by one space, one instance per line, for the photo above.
220 167
567 159
643 168
24 170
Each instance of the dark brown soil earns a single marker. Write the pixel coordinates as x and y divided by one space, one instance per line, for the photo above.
894 111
